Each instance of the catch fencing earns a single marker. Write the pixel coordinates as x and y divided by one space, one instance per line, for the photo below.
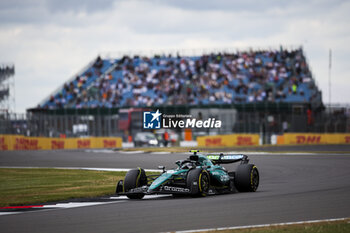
265 119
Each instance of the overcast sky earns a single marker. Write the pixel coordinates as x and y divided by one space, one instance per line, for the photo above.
49 41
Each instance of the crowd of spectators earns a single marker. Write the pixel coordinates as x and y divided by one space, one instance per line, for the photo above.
72 90
220 78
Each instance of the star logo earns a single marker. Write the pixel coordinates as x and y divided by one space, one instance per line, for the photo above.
152 120
155 115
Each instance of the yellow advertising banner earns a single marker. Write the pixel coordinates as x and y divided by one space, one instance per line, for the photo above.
14 142
314 138
228 140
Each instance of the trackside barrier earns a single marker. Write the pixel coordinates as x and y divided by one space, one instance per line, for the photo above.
313 138
228 140
15 142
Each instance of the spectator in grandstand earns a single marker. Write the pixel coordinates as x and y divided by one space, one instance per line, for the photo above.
221 78
294 88
98 63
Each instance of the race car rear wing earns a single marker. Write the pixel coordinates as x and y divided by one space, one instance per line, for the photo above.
228 158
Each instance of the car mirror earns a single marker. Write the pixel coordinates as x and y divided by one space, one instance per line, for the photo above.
162 167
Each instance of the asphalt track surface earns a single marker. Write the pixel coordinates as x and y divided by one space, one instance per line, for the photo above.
293 187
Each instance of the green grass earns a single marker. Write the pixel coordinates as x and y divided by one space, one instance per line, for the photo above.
341 226
36 185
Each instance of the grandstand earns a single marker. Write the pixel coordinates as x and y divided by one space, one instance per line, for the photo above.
253 91
273 76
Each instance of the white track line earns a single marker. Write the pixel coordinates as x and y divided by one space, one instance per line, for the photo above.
59 206
101 151
116 169
8 213
269 153
262 225
145 197
245 152
131 152
160 153
78 204
75 204
89 168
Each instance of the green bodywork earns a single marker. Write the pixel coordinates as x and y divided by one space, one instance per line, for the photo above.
218 174
162 179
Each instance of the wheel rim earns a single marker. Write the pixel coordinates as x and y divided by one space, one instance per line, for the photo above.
204 183
255 179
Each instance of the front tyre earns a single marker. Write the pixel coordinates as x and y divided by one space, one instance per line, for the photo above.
247 178
119 188
198 182
133 179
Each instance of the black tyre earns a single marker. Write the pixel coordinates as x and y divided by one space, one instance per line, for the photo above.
198 182
247 178
133 179
119 188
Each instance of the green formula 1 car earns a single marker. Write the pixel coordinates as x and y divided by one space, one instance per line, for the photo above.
199 175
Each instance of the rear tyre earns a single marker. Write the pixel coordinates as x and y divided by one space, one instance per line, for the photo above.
198 182
133 179
247 178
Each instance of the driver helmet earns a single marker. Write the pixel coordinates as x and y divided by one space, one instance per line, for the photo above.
187 165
